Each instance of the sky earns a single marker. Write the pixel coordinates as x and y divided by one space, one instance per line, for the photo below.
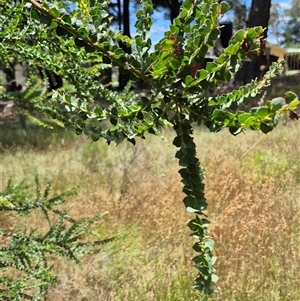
161 24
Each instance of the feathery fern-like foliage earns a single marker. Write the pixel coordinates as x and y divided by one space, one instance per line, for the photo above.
27 257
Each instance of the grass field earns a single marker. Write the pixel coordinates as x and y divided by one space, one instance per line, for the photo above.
253 193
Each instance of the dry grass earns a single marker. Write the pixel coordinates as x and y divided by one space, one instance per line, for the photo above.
253 193
256 224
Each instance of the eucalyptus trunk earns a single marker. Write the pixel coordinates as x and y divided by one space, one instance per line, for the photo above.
124 77
258 16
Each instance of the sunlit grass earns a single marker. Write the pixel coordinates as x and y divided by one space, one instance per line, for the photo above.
253 194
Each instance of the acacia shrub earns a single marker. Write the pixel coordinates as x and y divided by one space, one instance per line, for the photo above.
177 99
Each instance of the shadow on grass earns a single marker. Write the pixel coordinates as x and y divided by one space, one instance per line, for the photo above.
13 135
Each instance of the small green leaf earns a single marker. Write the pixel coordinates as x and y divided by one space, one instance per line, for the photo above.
84 33
192 224
243 117
204 298
151 131
232 49
278 103
214 278
67 19
235 130
131 140
197 247
219 115
193 205
45 19
119 52
106 60
290 96
249 122
54 11
209 244
187 5
34 14
114 112
177 141
189 81
98 111
53 24
225 7
202 74
60 31
89 48
95 137
214 34
294 104
113 121
238 36
265 128
79 42
262 113
174 29
140 115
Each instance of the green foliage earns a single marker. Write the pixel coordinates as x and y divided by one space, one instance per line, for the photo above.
26 41
26 260
291 35
178 98
29 101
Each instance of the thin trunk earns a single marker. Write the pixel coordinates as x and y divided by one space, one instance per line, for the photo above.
174 9
259 16
124 78
10 76
119 15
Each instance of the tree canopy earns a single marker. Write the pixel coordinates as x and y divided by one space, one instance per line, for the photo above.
291 32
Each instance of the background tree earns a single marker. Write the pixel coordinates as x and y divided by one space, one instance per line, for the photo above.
291 32
275 22
172 6
120 11
124 76
240 16
239 10
258 16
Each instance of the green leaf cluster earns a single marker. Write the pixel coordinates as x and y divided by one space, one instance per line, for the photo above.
26 261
